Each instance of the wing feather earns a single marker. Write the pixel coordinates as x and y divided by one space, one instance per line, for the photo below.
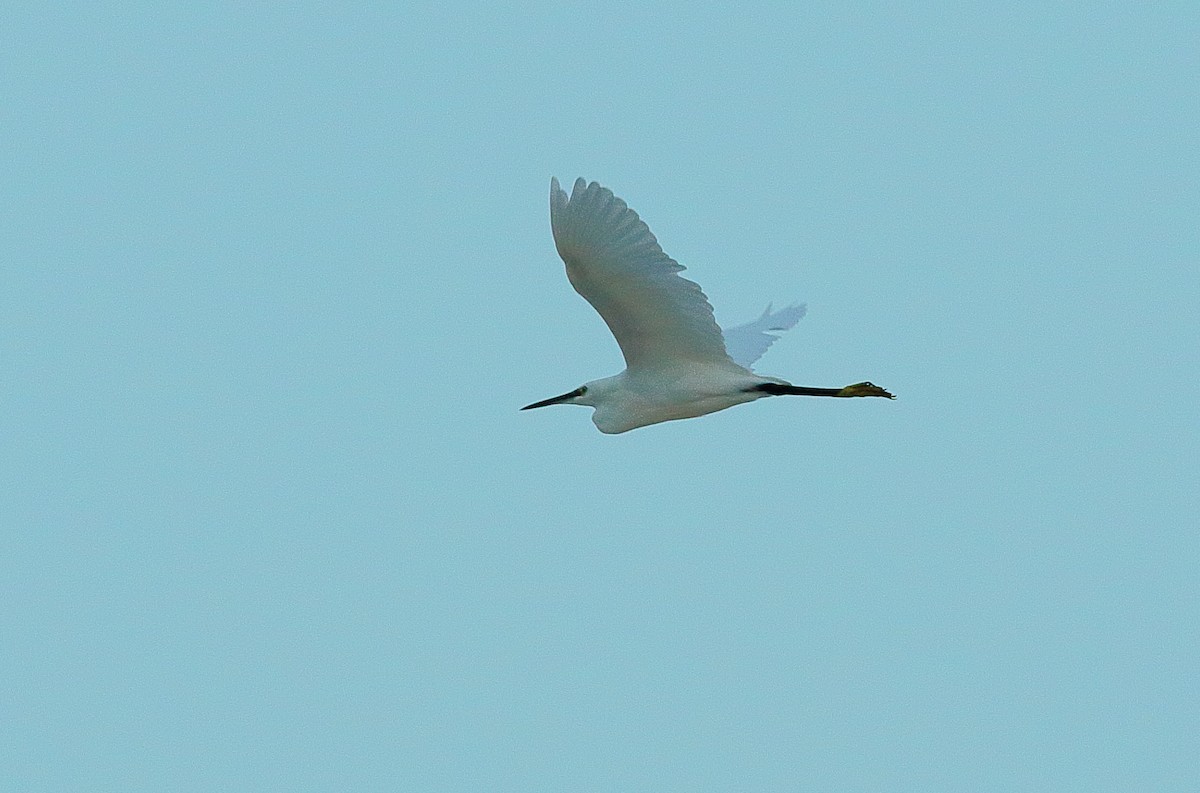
747 343
614 261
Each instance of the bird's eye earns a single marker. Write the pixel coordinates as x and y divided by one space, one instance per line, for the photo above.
582 390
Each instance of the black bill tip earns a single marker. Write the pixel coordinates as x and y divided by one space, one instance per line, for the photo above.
555 400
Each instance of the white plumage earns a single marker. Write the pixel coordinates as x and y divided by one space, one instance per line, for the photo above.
678 362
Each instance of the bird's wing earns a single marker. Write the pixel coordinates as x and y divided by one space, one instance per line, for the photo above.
613 260
746 343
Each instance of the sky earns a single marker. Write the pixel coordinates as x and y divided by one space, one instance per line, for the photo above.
279 276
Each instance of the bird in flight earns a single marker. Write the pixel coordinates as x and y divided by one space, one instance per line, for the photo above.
678 363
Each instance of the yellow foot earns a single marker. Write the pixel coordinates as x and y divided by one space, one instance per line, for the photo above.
864 389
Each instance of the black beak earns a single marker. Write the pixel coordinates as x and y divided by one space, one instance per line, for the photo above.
554 400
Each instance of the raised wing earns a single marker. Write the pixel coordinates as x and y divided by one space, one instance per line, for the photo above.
746 343
659 318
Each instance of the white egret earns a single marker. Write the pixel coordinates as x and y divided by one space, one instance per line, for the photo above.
678 362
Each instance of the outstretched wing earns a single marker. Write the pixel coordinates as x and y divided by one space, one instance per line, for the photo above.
659 318
747 343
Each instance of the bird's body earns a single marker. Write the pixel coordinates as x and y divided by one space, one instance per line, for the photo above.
636 398
679 363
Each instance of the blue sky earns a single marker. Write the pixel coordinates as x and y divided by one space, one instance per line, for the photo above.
279 277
